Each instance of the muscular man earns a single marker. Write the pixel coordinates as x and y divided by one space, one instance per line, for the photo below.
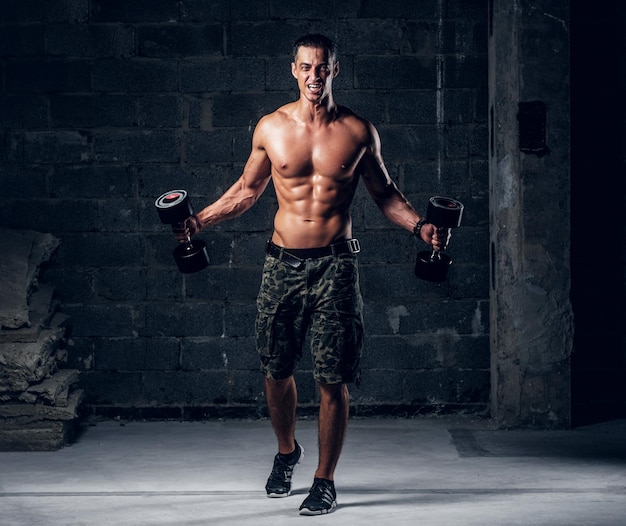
315 152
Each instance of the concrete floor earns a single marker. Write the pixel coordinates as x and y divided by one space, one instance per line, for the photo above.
427 471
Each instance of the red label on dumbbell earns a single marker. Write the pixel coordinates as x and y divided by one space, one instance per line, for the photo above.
171 197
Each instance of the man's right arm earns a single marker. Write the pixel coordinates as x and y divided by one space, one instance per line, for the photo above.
241 195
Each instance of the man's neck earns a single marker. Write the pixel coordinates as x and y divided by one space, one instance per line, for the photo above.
322 112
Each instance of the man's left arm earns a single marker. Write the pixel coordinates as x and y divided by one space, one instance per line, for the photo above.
393 204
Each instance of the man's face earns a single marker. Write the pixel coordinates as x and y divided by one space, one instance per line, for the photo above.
314 71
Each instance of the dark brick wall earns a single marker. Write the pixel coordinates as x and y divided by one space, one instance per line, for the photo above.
106 104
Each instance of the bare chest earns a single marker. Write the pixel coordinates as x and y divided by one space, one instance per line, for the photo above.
326 153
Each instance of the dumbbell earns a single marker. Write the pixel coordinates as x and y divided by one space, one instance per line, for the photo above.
444 213
173 208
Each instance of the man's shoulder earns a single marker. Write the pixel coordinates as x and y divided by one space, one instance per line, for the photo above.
355 121
278 116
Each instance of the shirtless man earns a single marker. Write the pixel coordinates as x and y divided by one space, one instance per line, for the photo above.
315 152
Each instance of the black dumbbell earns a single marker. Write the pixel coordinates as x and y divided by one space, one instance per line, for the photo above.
173 208
444 213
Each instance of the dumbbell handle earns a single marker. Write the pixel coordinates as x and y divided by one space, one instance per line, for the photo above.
441 231
435 255
180 225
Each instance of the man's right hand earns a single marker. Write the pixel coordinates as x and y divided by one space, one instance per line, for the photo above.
438 238
188 228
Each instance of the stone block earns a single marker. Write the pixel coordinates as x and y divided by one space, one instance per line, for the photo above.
76 181
138 11
207 147
21 40
245 109
224 10
408 143
219 75
470 72
23 254
108 388
42 10
208 353
147 146
239 320
93 40
38 427
38 436
137 354
269 38
46 76
248 389
396 73
102 320
188 388
118 215
52 147
378 387
290 9
53 391
160 111
169 40
29 362
400 9
23 111
90 111
183 319
135 76
398 353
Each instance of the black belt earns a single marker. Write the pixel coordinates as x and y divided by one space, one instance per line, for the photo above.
294 257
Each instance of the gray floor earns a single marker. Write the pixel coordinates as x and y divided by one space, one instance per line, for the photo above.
427 471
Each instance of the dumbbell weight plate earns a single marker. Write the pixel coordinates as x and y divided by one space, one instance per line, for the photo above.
444 212
173 207
191 256
431 268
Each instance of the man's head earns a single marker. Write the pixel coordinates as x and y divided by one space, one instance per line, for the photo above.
316 41
314 66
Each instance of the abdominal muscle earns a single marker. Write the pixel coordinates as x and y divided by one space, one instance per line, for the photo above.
294 231
313 218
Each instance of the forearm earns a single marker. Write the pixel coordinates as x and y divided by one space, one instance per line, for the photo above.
235 201
223 209
398 209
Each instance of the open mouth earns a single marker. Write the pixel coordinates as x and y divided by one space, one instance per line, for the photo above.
315 88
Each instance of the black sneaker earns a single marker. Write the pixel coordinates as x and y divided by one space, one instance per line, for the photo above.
322 498
279 481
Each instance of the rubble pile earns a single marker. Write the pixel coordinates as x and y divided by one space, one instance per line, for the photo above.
39 400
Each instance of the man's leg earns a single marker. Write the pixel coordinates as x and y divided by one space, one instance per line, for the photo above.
282 400
333 422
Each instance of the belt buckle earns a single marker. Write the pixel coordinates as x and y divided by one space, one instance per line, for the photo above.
354 246
291 260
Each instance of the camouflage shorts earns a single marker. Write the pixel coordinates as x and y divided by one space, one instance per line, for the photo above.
323 296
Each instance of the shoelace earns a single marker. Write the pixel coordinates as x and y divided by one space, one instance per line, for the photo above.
323 491
281 471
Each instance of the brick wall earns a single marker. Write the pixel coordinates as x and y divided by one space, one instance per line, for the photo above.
107 104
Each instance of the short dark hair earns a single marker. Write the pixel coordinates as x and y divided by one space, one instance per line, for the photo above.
317 41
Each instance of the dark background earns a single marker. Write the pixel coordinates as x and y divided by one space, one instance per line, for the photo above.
105 105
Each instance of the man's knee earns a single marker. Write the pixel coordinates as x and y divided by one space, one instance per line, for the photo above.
334 393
